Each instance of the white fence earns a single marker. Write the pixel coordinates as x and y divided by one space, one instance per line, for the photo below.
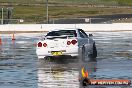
47 27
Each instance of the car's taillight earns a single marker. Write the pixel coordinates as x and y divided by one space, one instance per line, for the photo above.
39 44
71 42
68 42
74 42
45 45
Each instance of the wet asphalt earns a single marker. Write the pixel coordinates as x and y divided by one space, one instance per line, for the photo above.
20 67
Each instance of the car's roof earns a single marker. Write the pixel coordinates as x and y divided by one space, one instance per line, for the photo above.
65 29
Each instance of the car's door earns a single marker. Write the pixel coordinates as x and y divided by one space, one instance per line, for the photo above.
83 38
85 41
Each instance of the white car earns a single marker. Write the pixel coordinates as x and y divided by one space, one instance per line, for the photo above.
66 42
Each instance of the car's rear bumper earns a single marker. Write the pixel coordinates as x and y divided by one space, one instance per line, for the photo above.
43 52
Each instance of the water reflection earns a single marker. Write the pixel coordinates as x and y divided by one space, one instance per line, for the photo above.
20 67
17 65
90 66
63 72
58 72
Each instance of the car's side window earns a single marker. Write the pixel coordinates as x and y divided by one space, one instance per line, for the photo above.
82 34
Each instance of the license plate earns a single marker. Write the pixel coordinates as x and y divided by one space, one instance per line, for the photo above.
56 53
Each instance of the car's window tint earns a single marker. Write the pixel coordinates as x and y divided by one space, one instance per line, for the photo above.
82 34
63 32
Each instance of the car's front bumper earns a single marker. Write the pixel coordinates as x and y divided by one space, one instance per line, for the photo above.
43 52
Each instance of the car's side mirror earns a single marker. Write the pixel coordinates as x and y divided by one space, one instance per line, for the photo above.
90 35
44 37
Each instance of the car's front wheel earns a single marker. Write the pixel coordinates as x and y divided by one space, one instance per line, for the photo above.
94 54
83 53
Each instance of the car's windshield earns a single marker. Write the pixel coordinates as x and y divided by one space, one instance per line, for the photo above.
70 33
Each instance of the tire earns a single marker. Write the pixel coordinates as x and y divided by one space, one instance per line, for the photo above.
83 53
94 51
94 54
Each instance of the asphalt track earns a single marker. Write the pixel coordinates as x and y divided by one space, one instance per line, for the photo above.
20 67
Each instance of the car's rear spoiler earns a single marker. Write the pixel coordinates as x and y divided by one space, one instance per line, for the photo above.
61 37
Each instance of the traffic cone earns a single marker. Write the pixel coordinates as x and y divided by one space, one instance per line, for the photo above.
0 41
13 37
